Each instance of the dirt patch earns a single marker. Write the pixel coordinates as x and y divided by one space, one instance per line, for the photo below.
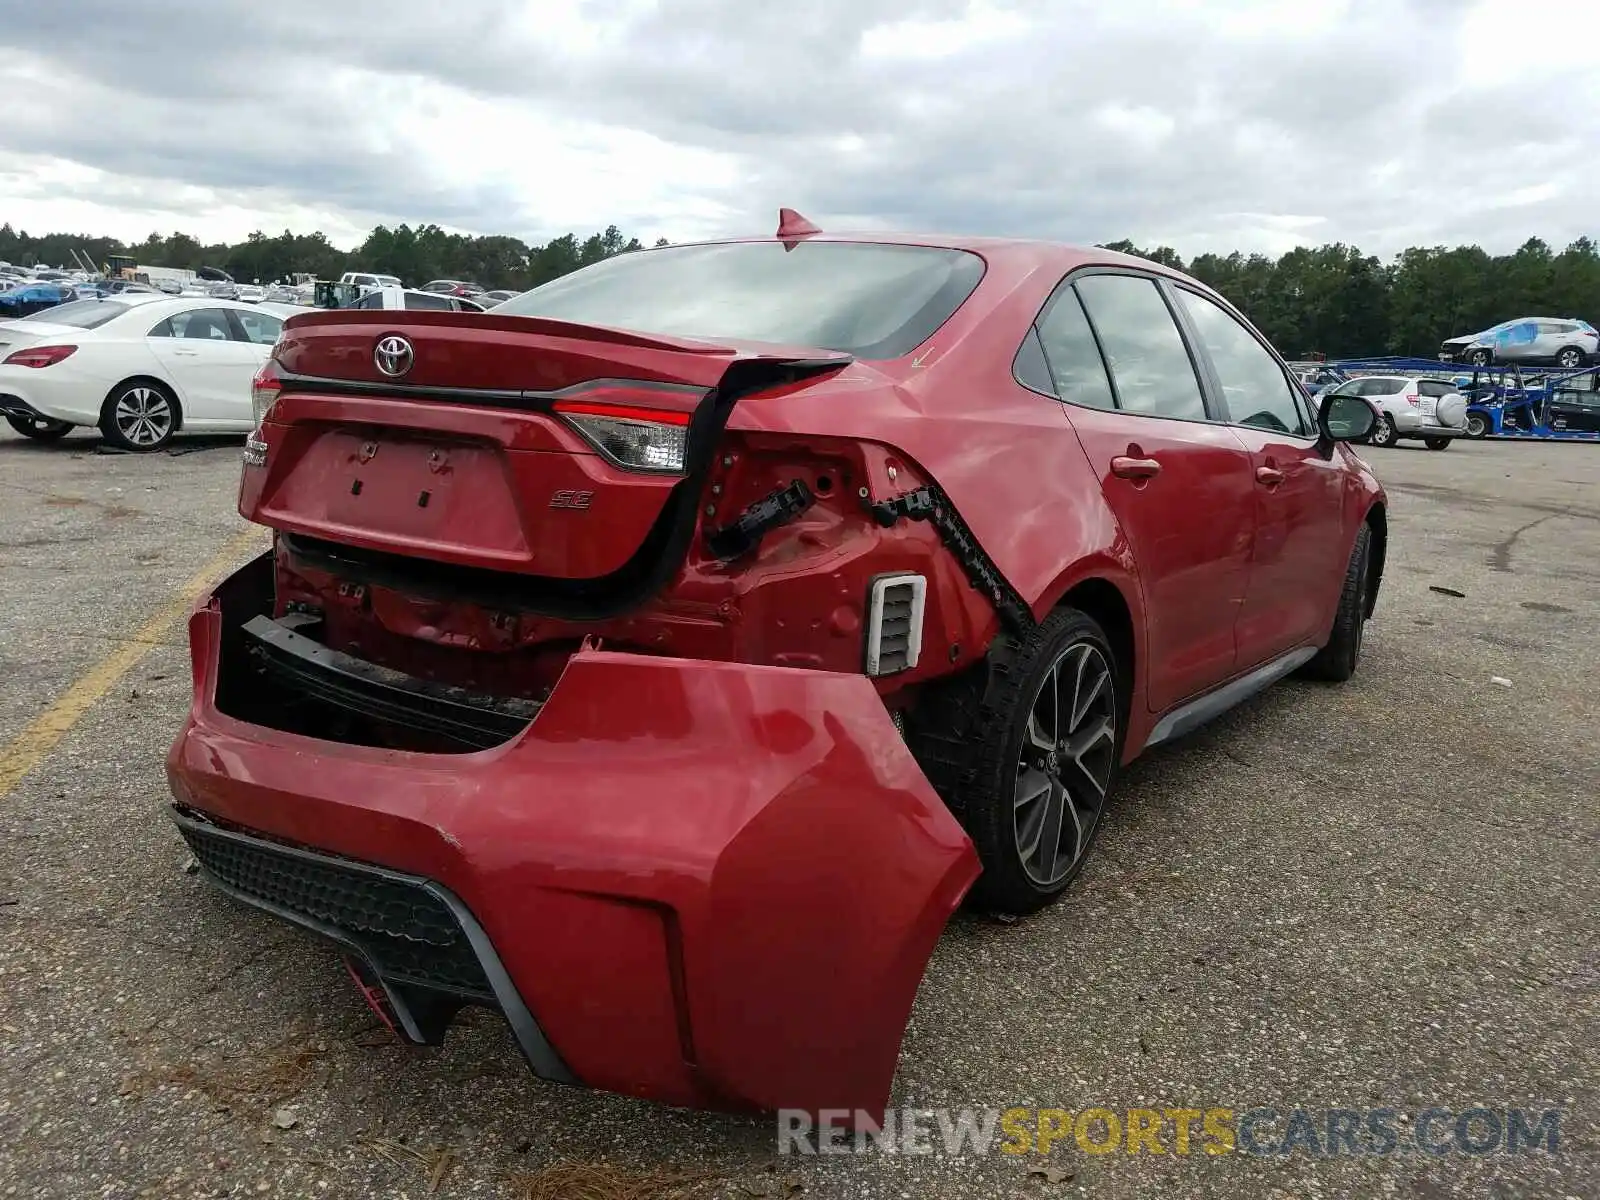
253 1080
602 1181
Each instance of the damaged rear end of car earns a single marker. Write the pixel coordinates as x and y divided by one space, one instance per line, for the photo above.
562 693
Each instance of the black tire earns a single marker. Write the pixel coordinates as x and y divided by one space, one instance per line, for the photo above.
1337 660
118 416
979 734
1569 358
1477 425
1480 358
40 429
1437 443
1384 434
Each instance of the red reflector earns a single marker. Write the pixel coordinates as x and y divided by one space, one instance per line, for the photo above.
40 356
620 412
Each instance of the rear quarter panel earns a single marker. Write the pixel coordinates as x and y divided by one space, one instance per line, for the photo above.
1007 458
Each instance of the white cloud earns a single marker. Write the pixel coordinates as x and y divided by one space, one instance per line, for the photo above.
1205 124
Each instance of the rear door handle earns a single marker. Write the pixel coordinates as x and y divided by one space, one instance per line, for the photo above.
1270 476
1134 468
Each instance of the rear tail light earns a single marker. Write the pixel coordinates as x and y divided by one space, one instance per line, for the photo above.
1412 399
894 623
630 435
264 389
40 356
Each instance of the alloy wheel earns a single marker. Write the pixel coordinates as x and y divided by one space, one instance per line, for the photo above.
1068 752
1569 359
143 416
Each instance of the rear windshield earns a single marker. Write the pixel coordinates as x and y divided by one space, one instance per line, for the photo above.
1382 385
80 314
868 299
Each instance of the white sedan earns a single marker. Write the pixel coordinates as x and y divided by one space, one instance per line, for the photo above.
140 367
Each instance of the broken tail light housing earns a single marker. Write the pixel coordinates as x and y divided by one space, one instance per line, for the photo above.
264 389
40 356
631 436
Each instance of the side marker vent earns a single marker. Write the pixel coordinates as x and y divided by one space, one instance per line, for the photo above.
894 623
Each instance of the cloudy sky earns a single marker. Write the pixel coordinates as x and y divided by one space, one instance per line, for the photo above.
1203 124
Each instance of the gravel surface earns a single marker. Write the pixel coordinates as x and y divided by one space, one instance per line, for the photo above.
1375 895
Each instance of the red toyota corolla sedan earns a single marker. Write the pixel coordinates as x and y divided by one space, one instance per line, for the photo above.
660 657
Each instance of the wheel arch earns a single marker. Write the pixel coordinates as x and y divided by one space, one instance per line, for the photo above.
1102 600
155 380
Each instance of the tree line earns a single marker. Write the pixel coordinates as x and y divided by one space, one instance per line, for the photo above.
415 254
1336 301
1330 299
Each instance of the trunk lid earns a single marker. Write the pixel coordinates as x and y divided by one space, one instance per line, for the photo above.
20 335
451 446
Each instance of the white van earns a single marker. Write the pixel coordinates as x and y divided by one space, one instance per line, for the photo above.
366 281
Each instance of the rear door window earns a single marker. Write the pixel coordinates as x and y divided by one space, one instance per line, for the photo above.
1149 362
428 300
258 327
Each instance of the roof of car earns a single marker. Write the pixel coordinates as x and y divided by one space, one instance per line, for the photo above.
1012 250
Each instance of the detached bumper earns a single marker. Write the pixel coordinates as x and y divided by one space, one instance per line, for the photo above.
707 884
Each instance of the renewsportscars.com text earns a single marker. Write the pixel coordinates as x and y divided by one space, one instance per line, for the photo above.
1199 1131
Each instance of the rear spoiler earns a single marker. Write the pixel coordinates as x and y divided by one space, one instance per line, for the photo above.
607 335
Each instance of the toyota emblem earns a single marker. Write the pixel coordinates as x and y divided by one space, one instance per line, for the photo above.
393 356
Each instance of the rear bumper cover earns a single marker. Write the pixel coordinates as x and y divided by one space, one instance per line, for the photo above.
707 884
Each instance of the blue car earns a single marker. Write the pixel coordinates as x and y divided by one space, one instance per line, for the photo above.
33 297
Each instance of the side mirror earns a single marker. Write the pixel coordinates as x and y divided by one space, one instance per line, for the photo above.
1345 418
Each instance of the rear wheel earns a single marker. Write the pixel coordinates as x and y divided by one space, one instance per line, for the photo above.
1384 433
1046 742
40 429
140 415
1437 443
1570 358
1477 425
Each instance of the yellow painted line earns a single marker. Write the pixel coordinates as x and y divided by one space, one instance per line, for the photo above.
25 751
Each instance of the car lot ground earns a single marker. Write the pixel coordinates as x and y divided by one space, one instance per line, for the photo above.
1382 894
